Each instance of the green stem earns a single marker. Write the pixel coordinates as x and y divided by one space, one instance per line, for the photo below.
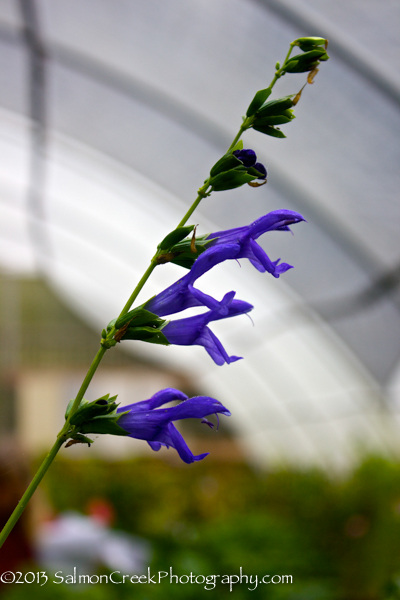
201 194
85 384
61 438
30 490
138 288
280 72
292 45
238 136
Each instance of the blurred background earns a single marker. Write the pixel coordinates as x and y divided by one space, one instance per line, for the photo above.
111 114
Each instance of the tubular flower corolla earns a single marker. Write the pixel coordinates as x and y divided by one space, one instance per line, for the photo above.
225 245
146 421
181 294
194 331
244 238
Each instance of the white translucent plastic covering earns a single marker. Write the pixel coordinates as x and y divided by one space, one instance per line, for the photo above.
138 100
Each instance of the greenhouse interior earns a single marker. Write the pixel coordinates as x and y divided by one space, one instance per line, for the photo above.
112 113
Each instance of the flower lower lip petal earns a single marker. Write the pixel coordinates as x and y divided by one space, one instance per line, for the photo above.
194 330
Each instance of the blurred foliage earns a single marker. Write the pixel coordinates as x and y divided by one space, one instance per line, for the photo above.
339 538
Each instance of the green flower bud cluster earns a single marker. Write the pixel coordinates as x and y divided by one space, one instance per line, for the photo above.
310 43
232 171
187 251
98 416
313 53
270 114
139 324
264 116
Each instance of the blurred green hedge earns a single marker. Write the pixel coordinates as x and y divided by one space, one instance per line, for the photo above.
340 539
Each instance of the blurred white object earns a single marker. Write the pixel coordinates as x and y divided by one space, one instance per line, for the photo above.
74 540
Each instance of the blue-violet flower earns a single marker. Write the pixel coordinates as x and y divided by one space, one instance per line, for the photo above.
181 294
194 331
244 238
145 421
224 245
249 159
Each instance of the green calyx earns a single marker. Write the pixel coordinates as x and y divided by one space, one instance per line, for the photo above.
174 237
105 424
275 112
308 61
187 251
231 179
87 410
284 117
275 107
258 100
152 335
229 172
226 163
139 324
269 130
138 317
310 43
98 416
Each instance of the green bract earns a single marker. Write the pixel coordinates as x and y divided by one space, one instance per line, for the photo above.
305 62
99 416
140 324
184 255
309 43
268 130
174 237
107 424
275 112
275 107
88 410
285 117
226 163
137 317
258 101
152 335
231 179
238 146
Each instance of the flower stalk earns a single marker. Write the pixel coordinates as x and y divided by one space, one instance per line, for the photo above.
235 168
8 527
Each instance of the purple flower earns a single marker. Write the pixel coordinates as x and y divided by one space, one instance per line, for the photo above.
261 169
224 245
181 294
245 237
194 331
249 159
144 422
